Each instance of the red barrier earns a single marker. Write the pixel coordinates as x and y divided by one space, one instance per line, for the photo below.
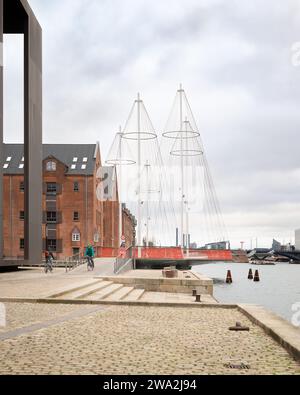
168 253
211 255
160 253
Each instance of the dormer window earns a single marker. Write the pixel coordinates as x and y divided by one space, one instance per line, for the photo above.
51 166
76 236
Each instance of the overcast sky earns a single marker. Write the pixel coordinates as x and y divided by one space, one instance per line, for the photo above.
236 63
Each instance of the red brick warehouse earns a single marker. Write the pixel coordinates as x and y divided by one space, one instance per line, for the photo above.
73 216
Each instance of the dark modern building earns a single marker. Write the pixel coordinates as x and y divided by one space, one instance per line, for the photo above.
16 17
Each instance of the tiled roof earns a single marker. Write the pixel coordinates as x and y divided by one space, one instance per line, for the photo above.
65 153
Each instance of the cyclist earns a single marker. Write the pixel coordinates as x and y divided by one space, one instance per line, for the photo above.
90 254
49 261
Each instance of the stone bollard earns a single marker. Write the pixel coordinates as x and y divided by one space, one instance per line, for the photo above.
198 298
250 275
256 276
229 277
194 292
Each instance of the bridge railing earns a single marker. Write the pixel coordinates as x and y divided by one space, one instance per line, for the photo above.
124 261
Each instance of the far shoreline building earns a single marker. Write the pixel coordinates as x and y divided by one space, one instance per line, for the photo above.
73 215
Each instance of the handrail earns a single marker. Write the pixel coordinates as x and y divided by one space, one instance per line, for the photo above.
74 261
122 261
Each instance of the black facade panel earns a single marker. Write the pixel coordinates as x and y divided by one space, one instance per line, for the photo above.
18 17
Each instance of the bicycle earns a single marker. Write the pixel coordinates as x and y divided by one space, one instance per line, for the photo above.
48 266
90 263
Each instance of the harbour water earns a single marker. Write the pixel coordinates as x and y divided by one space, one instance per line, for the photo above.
278 290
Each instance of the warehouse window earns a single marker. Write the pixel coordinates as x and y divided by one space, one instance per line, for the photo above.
75 237
22 215
52 245
76 216
22 244
51 187
51 217
51 166
76 186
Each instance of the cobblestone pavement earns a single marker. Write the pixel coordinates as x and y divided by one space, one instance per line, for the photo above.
139 340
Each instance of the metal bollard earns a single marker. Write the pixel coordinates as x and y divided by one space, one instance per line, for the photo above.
250 275
229 277
198 298
256 276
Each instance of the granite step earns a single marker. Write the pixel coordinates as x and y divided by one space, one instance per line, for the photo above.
75 287
104 293
84 292
134 295
120 294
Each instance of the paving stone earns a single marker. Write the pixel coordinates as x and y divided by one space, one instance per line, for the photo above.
139 340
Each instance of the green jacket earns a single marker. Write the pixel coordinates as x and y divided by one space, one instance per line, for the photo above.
90 252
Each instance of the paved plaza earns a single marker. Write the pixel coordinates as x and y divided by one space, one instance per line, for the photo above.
70 338
62 339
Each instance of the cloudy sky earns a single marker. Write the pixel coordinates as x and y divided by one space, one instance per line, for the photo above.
238 62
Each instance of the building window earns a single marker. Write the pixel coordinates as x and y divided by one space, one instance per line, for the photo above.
51 217
51 166
75 160
22 186
51 187
52 245
5 166
76 186
21 166
85 160
22 244
76 216
75 237
83 167
76 251
8 159
73 167
22 215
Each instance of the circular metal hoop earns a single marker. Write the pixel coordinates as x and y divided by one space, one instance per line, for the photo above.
120 162
139 135
190 134
186 153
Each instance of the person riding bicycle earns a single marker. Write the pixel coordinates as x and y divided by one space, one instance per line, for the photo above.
90 254
49 261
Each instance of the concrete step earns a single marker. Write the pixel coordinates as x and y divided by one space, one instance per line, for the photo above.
76 287
134 295
120 294
104 293
82 293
